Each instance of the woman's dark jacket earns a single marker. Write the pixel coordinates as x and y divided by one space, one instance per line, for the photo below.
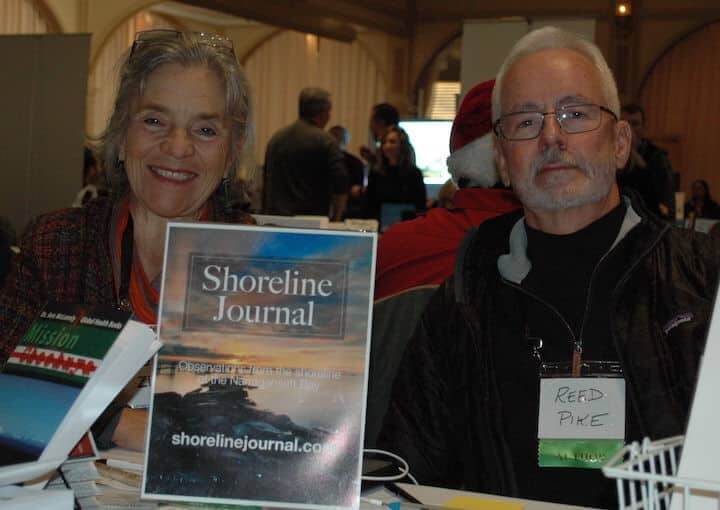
445 416
395 185
64 257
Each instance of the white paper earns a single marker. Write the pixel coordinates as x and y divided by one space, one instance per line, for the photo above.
582 408
21 498
135 345
17 473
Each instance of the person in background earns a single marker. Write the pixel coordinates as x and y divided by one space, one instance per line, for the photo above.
648 170
304 168
446 195
5 256
415 257
715 231
701 203
382 117
356 174
582 283
8 248
171 149
91 180
395 179
7 230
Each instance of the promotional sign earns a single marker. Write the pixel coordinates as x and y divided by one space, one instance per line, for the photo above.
259 391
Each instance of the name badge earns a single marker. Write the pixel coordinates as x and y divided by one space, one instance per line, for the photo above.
581 421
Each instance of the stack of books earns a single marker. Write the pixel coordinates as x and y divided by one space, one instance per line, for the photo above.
120 479
78 473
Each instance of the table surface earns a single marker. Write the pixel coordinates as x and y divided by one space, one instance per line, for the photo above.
437 496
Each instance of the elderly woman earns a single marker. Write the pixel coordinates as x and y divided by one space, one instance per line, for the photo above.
171 150
395 179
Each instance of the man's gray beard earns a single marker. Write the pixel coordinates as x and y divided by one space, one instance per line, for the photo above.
600 180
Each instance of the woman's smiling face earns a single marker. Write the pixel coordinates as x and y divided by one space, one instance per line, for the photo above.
178 143
391 147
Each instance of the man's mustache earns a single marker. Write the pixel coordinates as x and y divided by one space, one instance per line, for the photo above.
554 156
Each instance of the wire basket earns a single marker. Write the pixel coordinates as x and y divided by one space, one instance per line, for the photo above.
646 476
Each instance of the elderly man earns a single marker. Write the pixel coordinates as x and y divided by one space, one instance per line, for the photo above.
578 327
305 171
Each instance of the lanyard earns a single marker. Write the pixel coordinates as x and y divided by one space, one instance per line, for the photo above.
135 292
126 260
577 367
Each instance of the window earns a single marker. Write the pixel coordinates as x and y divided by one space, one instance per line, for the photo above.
443 100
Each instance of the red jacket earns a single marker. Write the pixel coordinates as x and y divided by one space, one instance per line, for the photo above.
422 251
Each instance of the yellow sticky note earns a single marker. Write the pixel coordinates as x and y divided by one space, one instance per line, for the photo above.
474 503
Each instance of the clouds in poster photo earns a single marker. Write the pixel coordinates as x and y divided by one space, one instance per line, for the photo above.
353 250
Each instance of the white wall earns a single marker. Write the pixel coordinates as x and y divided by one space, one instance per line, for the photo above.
485 43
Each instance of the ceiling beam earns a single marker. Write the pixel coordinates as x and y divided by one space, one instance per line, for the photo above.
290 14
385 19
439 15
708 13
459 10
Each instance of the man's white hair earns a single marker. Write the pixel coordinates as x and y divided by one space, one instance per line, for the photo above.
555 38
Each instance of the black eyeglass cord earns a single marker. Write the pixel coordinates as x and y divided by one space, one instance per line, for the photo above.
126 260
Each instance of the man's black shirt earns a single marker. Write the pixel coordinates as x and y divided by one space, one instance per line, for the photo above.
560 275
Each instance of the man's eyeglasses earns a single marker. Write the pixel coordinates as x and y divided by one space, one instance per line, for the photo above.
219 42
576 118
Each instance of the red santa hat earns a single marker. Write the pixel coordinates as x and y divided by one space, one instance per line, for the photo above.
471 162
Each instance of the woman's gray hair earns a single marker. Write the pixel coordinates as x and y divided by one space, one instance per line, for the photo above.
186 49
555 38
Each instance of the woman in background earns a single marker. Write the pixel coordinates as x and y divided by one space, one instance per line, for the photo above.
395 179
171 151
701 204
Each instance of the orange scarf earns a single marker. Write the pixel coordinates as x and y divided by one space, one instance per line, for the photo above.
143 296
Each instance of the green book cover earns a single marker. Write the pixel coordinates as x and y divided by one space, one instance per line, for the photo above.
46 373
